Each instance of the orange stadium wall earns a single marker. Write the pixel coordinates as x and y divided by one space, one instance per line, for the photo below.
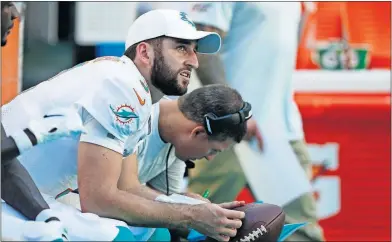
11 64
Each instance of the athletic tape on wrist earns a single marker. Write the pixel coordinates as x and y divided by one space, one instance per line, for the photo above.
22 141
46 214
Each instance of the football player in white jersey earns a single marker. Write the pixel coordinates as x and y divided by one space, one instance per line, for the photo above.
257 58
17 187
116 94
156 169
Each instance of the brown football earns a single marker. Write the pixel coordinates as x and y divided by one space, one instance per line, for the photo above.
263 222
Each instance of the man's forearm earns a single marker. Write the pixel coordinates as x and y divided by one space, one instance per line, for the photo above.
151 193
139 211
144 191
211 69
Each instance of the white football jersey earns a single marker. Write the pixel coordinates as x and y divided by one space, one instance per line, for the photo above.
113 101
153 153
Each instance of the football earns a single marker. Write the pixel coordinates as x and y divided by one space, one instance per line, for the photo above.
263 222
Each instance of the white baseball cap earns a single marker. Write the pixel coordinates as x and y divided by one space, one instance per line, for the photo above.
171 23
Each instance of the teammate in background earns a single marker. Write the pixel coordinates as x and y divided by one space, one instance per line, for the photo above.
17 187
114 98
268 44
258 59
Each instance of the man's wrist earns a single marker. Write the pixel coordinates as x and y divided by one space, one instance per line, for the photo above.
184 215
22 141
31 136
189 217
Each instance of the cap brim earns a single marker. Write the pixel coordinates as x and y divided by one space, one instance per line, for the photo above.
207 42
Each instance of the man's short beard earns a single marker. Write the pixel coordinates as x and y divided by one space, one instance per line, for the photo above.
163 78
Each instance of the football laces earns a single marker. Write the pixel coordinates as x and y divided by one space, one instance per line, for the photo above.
255 234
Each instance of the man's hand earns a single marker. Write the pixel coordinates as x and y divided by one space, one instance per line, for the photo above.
196 196
57 124
217 220
254 132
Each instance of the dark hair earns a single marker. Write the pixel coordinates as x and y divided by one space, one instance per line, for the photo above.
155 42
218 99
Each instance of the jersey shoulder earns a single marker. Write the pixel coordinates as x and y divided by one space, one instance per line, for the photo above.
120 103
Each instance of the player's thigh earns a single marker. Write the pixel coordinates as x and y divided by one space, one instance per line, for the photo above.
301 151
6 165
4 161
3 135
304 208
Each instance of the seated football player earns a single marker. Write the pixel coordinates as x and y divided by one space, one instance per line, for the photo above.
218 121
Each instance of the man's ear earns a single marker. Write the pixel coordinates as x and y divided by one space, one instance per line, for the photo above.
199 132
145 53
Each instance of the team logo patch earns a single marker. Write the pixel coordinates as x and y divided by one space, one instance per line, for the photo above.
185 18
124 114
145 86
